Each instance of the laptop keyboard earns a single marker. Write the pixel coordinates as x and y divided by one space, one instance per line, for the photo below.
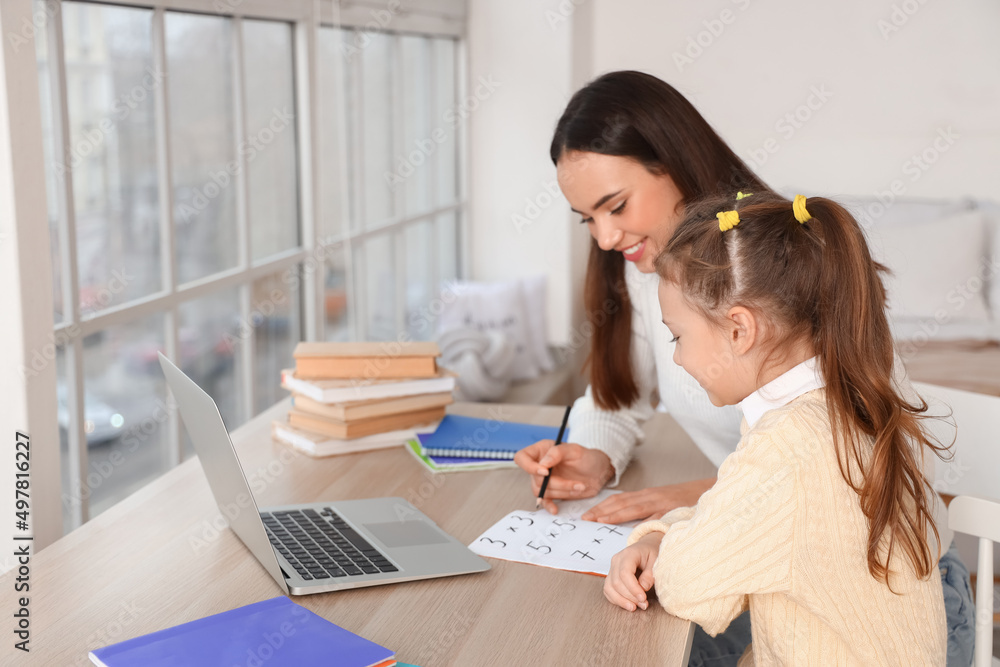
321 545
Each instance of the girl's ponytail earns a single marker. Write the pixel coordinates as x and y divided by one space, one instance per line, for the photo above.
855 347
805 266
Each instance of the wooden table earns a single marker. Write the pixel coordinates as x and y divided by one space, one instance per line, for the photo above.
159 558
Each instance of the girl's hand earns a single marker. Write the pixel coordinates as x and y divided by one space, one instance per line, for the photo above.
622 587
649 503
577 472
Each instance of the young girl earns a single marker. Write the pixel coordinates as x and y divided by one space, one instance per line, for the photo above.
820 522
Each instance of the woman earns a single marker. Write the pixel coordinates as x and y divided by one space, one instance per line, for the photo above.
630 151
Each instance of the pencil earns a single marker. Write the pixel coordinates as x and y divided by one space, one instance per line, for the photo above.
545 482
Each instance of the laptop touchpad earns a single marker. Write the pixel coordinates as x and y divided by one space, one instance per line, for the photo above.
406 533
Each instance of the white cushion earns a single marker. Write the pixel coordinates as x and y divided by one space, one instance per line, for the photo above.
490 307
870 212
533 290
919 238
939 272
482 359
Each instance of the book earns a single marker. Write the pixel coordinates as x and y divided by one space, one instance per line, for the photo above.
483 438
441 464
379 407
346 391
248 635
364 427
368 361
318 445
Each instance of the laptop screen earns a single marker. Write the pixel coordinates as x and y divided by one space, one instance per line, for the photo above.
222 467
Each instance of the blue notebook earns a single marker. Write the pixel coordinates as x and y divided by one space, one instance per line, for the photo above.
272 632
483 438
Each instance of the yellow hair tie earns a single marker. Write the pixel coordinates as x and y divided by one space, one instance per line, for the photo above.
727 220
742 195
799 209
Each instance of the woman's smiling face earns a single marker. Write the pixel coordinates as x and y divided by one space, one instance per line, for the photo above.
626 207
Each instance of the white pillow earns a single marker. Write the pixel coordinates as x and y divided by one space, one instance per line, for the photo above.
533 291
482 359
492 307
870 212
939 273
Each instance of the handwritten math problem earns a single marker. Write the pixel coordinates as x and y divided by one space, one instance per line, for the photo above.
563 541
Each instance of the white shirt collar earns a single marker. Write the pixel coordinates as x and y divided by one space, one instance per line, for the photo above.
782 390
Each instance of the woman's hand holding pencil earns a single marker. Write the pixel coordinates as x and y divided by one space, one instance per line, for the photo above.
576 472
559 439
572 471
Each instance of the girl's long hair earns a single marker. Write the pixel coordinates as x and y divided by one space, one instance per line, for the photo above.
636 115
817 281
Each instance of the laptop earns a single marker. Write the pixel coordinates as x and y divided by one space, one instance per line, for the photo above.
316 547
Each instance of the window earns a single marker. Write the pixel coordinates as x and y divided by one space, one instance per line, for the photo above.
391 211
181 216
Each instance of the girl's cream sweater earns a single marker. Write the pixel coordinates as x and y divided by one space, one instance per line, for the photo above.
783 534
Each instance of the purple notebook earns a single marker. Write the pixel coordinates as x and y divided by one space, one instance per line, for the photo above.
272 632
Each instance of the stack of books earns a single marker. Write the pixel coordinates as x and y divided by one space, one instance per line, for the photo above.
350 397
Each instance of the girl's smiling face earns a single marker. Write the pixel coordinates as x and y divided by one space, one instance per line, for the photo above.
626 207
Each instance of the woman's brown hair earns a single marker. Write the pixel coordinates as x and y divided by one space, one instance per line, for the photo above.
636 115
817 281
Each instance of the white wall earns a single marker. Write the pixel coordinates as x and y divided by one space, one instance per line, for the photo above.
27 385
889 98
889 95
518 218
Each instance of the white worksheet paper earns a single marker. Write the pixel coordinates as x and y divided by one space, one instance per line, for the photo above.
563 541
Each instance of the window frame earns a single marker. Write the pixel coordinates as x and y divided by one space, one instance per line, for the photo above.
433 18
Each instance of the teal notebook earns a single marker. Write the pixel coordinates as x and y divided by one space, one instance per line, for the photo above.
483 438
272 632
